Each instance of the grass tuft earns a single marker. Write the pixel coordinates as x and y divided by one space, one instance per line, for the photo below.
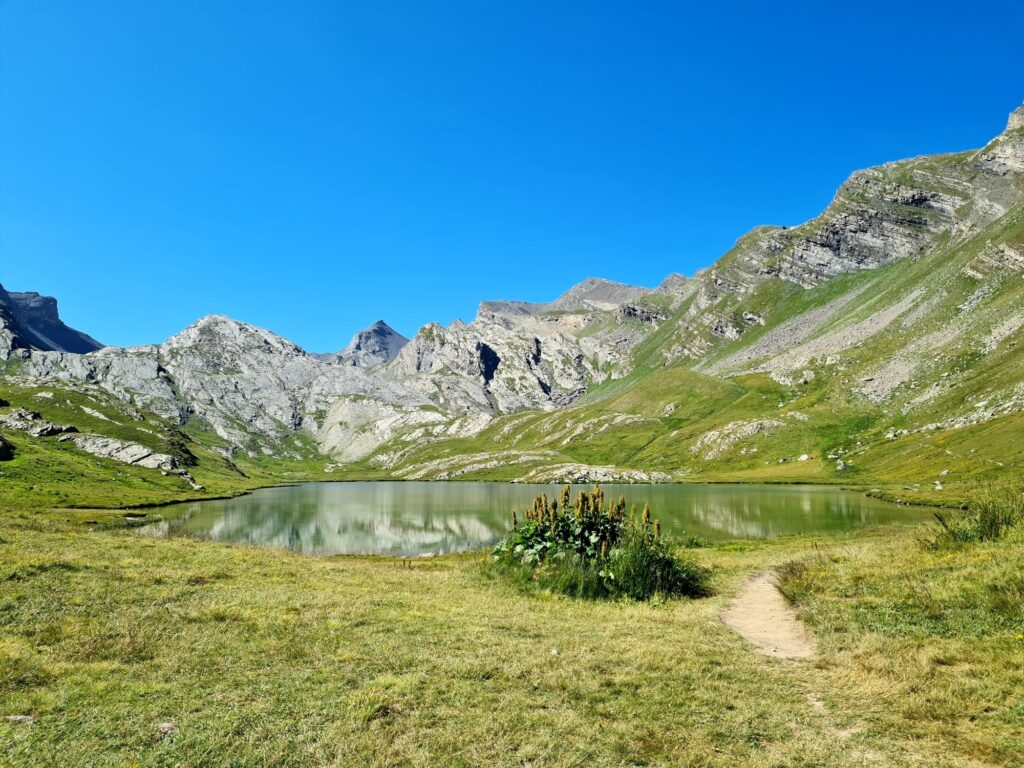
996 509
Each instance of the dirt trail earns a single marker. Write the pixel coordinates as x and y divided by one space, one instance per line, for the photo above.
761 615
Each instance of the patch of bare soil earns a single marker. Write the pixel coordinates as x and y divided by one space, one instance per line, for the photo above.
761 615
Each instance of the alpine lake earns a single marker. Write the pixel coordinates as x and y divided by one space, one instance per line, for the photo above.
409 519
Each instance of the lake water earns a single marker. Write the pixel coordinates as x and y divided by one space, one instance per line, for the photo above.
415 518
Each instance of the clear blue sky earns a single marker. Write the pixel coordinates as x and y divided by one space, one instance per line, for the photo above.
311 167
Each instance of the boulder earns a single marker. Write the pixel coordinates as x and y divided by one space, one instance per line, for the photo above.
6 449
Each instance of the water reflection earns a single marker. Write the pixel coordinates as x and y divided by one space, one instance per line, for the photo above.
412 518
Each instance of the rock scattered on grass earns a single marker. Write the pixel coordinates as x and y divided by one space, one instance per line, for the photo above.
32 423
167 729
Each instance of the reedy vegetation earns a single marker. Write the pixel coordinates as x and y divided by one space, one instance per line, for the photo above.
994 510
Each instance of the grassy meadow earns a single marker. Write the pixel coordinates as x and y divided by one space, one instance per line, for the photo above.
127 650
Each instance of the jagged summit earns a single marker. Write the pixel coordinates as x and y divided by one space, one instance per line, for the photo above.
215 323
214 320
29 320
375 345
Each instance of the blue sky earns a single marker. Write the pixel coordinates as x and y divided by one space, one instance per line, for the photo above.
311 167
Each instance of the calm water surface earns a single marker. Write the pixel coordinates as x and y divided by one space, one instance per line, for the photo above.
413 518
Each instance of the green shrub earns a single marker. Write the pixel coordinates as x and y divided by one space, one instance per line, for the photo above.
592 550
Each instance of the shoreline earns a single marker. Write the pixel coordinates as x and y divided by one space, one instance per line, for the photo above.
873 493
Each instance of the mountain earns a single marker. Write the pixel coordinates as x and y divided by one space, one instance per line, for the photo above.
880 340
249 387
594 293
378 344
31 321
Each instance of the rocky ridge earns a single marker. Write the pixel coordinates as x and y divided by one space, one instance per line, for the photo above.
30 321
386 399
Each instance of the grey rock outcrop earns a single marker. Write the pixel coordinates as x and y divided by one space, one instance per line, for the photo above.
871 222
587 473
496 365
29 320
1005 153
123 451
32 424
1016 120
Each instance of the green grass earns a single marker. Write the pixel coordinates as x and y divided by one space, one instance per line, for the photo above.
930 639
267 658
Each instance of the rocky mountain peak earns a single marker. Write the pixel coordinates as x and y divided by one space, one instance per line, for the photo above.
596 293
1004 155
672 281
221 334
1016 120
30 320
378 344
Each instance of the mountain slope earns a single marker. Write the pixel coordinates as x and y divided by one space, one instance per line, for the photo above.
876 342
864 340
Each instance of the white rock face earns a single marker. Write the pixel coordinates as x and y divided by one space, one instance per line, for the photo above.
1005 155
356 426
494 365
131 374
1016 120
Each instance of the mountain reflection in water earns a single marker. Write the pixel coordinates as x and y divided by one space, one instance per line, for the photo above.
414 518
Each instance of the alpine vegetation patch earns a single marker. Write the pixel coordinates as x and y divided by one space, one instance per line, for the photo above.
592 549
